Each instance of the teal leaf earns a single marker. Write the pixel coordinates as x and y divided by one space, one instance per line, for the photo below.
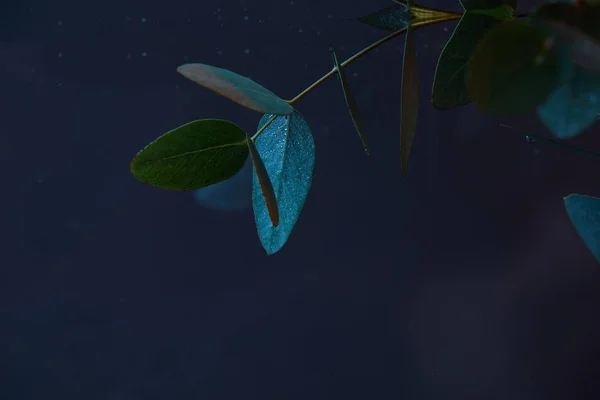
352 105
449 83
237 88
287 149
584 212
266 187
194 155
391 18
409 103
574 106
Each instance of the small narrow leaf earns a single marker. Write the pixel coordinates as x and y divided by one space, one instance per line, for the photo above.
409 108
584 212
194 155
237 88
351 104
264 182
287 149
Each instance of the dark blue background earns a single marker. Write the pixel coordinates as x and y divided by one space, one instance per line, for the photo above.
463 280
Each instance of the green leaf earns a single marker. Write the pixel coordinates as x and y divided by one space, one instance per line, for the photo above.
409 99
449 83
351 104
194 155
391 18
237 88
501 13
487 4
512 70
288 151
584 212
266 187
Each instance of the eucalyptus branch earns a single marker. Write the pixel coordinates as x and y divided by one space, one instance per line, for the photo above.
416 24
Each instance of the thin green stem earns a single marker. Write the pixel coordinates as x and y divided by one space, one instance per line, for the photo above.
367 49
343 64
415 24
554 142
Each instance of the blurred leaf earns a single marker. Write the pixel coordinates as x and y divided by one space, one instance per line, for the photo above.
288 151
584 212
237 88
574 106
511 70
409 99
351 104
449 83
194 155
233 194
264 183
576 26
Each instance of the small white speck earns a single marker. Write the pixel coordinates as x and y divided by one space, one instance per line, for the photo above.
355 74
143 19
60 54
245 18
300 30
59 22
219 52
247 51
128 56
144 54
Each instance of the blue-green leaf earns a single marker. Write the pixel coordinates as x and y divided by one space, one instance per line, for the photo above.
287 149
584 212
352 105
235 87
391 18
574 106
